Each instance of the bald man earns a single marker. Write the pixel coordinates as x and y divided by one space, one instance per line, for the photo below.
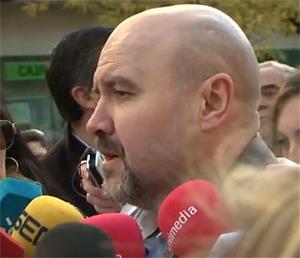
272 75
179 97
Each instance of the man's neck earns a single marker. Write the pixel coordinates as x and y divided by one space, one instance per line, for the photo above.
254 154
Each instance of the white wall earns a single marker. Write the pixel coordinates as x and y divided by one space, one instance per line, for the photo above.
23 35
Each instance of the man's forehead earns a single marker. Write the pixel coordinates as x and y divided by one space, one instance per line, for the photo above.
120 48
270 72
133 54
116 72
271 76
110 59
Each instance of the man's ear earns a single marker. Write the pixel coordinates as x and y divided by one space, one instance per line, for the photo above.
216 93
83 97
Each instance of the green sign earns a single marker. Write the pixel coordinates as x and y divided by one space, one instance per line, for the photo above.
24 70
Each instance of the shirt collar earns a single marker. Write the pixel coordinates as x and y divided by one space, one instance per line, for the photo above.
80 140
146 219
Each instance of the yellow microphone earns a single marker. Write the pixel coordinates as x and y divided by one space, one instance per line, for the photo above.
39 216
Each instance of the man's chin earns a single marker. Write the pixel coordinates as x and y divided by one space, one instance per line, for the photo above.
115 191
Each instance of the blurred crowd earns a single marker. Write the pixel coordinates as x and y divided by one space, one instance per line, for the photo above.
171 95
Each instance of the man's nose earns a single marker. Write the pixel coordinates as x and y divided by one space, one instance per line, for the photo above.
100 120
263 104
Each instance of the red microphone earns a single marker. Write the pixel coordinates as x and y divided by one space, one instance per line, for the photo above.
123 230
9 247
192 217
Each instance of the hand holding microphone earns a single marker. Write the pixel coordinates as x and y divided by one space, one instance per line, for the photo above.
100 203
91 182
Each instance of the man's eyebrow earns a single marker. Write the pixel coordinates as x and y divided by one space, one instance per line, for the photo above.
269 87
118 79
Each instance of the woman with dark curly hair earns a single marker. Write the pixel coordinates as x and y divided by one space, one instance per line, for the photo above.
16 158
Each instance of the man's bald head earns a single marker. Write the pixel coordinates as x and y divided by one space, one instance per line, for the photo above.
201 40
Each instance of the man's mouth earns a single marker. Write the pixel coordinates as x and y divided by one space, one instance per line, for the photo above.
109 163
109 157
264 118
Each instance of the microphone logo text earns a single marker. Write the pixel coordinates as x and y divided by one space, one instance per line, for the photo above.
183 218
29 228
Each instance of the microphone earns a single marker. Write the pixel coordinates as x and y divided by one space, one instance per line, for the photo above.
226 244
75 240
40 215
9 247
124 232
192 217
15 194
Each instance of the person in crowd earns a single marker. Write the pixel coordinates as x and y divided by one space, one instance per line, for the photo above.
36 142
146 219
286 120
267 208
7 137
16 158
177 107
271 78
187 109
70 79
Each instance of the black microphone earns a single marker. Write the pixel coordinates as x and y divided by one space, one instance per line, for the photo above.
75 240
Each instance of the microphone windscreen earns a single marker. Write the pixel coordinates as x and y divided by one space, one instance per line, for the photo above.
192 217
124 232
15 194
40 215
9 247
75 240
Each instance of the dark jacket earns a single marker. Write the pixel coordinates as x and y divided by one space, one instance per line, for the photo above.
60 168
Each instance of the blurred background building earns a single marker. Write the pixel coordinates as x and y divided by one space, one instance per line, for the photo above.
26 43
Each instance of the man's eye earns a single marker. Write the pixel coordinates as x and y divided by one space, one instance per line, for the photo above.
283 143
269 94
121 94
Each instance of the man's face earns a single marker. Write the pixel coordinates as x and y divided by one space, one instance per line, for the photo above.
288 129
270 81
37 149
140 122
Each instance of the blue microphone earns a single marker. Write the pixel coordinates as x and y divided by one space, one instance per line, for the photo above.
15 194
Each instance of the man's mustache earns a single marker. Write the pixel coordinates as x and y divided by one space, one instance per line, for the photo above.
105 143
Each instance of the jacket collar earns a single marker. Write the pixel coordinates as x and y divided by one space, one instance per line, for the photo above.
256 154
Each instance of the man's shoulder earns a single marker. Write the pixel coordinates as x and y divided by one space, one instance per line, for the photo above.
64 155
